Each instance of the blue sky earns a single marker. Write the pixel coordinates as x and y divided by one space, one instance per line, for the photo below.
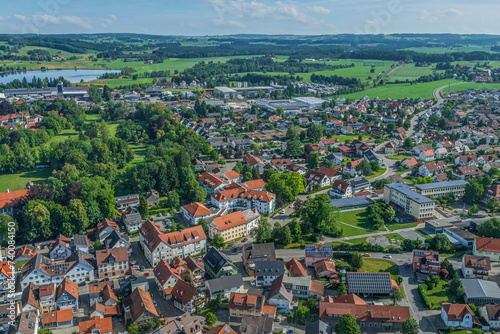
220 17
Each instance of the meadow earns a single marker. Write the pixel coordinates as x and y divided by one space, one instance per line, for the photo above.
411 72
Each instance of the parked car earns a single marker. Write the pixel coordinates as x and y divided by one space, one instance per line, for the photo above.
143 268
245 240
252 281
155 303
368 254
283 211
407 265
387 256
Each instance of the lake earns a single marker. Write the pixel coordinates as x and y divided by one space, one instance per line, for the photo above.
73 76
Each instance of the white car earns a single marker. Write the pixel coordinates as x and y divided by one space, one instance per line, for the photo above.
283 211
387 256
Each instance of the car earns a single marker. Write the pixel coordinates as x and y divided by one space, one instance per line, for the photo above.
146 274
290 331
278 319
283 211
143 268
407 265
160 214
132 262
368 254
284 331
155 303
252 281
245 240
387 256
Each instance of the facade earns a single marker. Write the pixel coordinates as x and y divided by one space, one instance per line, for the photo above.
225 285
234 225
251 324
159 246
66 295
267 271
139 307
112 262
132 221
183 324
124 202
57 319
194 212
369 283
442 188
475 266
409 202
253 253
426 262
96 325
183 295
243 199
481 292
165 277
241 304
458 316
491 313
340 189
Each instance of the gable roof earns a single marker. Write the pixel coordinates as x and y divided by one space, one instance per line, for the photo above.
183 292
197 209
295 268
252 160
139 302
457 312
163 271
106 256
230 220
106 223
105 325
9 199
59 316
153 236
67 286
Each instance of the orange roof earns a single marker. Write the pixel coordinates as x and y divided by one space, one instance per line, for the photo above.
243 301
295 268
9 199
269 310
226 195
252 160
456 312
6 269
57 316
67 286
255 184
105 325
197 209
428 153
211 179
154 236
163 271
488 244
317 287
226 329
229 221
231 175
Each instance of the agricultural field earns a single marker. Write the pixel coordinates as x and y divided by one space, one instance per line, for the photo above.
442 50
411 72
472 85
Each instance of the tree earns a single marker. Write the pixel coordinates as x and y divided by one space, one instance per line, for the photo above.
312 305
342 290
302 313
492 204
490 228
357 260
218 242
455 285
395 295
347 325
95 94
262 232
133 328
143 207
36 221
474 192
295 230
473 210
211 319
319 213
410 326
313 160
287 236
364 168
439 243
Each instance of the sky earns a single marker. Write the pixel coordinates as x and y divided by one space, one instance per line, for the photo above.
224 17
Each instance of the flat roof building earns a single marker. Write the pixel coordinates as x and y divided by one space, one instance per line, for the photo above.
352 203
442 188
407 201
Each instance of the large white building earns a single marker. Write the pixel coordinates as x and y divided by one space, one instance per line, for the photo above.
408 201
158 245
234 225
442 188
243 199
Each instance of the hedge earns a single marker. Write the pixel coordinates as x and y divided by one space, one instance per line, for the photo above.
422 288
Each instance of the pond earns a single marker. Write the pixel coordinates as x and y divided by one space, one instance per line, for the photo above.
73 76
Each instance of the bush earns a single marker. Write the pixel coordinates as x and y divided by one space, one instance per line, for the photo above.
422 288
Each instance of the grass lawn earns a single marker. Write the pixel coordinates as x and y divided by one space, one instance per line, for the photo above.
454 255
411 72
394 238
425 235
380 172
358 241
18 181
400 226
356 218
20 264
378 266
472 85
439 295
398 157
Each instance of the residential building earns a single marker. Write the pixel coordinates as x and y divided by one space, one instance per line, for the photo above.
211 182
153 198
442 188
475 266
9 199
267 271
427 155
251 324
301 287
105 228
195 271
458 316
253 253
480 292
225 329
132 221
254 161
295 268
60 248
184 296
194 212
241 304
467 172
139 307
431 168
318 252
407 201
466 160
359 184
492 192
158 245
165 277
325 269
28 323
243 199
369 283
57 319
340 189
184 324
491 313
426 262
7 275
319 179
489 247
123 202
115 240
112 262
217 264
66 295
279 296
234 225
96 325
350 167
225 285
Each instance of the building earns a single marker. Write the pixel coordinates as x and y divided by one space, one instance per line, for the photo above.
360 184
184 296
458 316
7 275
340 189
124 202
112 262
489 247
241 304
9 199
105 228
139 307
218 264
426 262
318 252
279 296
254 161
251 324
253 253
409 202
369 283
481 292
28 323
96 325
165 277
491 313
325 269
475 266
225 285
352 203
442 188
234 225
132 221
243 199
183 324
301 287
211 182
57 319
153 198
467 172
431 168
158 245
194 212
66 295
267 271
295 268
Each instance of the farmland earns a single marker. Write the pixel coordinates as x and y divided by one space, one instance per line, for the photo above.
410 72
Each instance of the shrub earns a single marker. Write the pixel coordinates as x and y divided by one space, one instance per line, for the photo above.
422 288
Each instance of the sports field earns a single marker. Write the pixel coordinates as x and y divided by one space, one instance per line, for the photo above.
411 72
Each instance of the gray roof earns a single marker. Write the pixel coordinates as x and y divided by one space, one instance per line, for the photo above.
478 288
224 283
259 251
413 195
251 324
250 215
278 287
358 181
441 184
80 240
112 239
269 268
132 218
215 260
360 200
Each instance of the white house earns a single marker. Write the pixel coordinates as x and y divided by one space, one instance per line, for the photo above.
340 189
458 316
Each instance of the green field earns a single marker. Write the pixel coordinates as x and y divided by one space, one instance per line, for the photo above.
379 266
441 50
439 295
376 174
18 181
356 218
472 85
397 157
411 72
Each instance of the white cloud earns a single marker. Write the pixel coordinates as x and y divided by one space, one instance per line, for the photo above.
439 14
20 17
41 19
113 17
319 10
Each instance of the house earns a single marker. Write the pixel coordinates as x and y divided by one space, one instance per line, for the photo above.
491 313
96 325
281 164
225 285
467 173
426 262
340 189
124 202
317 178
279 296
251 324
218 264
7 275
153 198
327 142
27 323
458 316
488 158
253 253
466 160
254 161
489 247
196 271
333 174
492 192
480 292
296 169
389 148
369 283
165 277
212 182
336 158
9 199
103 293
183 295
57 319
158 245
115 240
426 155
184 324
234 225
139 307
325 269
359 184
432 168
132 221
105 228
370 156
475 266
318 252
258 184
66 295
409 163
419 148
241 304
231 176
267 271
60 248
112 262
350 167
242 198
295 269
440 153
301 287
25 253
194 212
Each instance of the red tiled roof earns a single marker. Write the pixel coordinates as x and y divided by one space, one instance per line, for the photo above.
252 160
104 256
163 271
197 209
295 269
211 179
229 221
67 286
255 184
153 236
105 325
57 316
183 292
487 244
9 199
456 312
226 195
247 301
